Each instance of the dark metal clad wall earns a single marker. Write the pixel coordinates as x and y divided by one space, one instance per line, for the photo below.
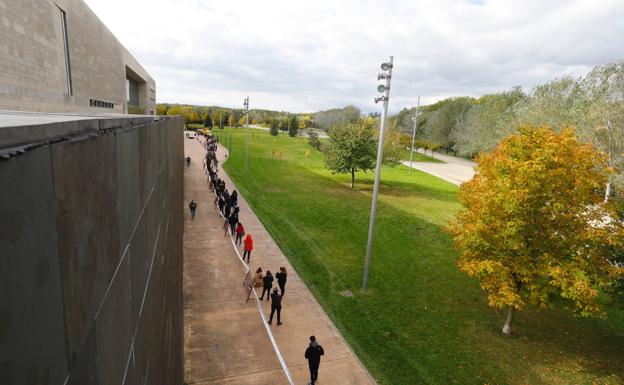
32 329
84 172
91 228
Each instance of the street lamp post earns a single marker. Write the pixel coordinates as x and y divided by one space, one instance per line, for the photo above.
246 105
415 119
387 75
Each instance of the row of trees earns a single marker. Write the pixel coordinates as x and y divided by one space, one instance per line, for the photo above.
592 104
213 116
290 124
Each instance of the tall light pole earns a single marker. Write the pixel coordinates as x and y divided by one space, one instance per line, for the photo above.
246 105
415 119
387 75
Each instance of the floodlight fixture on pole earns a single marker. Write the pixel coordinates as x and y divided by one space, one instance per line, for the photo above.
385 88
415 119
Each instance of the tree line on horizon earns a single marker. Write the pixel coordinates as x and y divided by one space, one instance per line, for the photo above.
592 104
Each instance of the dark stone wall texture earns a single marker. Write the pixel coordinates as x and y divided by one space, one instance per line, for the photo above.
91 229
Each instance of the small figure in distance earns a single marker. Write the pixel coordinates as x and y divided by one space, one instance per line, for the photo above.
193 208
258 278
313 354
268 284
281 280
188 161
276 305
240 233
248 247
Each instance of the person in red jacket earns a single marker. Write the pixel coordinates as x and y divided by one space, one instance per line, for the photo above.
248 247
240 232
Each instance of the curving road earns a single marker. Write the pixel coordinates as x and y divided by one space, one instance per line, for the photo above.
454 170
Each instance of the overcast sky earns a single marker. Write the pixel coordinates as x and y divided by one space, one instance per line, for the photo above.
308 55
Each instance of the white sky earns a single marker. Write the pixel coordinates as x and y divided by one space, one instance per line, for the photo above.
316 54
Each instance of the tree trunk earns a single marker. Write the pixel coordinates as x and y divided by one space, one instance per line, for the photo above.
509 322
607 192
352 176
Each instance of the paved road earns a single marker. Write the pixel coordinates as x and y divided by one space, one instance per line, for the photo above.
454 170
225 340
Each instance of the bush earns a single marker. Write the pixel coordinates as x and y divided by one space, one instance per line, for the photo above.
194 127
313 139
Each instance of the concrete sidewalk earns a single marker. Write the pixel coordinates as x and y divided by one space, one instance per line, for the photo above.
225 341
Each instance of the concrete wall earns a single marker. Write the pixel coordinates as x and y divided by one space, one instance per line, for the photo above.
91 227
32 60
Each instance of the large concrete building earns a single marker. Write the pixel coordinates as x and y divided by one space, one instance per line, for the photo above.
57 56
91 216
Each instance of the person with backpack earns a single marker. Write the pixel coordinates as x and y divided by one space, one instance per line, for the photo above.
276 305
281 280
248 247
240 233
313 354
193 208
267 285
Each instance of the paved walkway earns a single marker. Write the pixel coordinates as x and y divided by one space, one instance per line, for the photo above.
225 341
455 170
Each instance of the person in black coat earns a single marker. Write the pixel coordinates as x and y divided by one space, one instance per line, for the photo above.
228 209
221 204
234 198
276 305
233 219
313 354
281 279
267 285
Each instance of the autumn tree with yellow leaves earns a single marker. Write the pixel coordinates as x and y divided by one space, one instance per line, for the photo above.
535 226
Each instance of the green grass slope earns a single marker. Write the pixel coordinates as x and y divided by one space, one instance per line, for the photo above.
423 321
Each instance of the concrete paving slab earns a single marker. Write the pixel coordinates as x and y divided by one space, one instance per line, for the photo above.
225 341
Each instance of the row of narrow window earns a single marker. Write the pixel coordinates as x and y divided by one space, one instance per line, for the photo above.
100 104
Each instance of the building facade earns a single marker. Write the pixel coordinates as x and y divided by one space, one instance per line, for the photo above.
57 56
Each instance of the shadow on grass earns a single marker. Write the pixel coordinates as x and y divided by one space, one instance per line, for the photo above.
423 321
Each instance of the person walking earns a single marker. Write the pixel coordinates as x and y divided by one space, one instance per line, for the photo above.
258 278
248 247
281 280
313 354
240 233
193 208
188 161
276 305
267 285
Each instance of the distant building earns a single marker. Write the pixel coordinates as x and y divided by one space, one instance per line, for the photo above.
57 56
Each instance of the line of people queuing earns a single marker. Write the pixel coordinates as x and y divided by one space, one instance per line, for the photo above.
227 204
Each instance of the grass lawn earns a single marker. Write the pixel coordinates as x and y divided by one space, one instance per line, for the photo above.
423 321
